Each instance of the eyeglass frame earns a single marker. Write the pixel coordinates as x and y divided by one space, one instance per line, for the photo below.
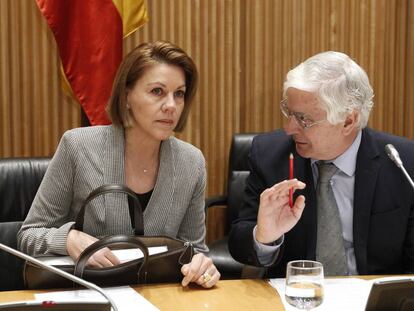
297 116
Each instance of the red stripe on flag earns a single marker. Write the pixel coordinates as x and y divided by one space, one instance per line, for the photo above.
89 39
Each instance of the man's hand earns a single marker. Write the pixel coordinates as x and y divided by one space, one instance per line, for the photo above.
275 216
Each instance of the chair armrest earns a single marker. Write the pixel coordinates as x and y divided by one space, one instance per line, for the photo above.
214 201
11 267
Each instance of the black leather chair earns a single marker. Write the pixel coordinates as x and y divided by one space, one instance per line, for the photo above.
19 180
237 175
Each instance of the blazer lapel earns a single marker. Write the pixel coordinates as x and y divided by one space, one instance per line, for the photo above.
113 160
114 173
366 173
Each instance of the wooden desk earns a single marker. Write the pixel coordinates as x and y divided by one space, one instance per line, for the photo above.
226 295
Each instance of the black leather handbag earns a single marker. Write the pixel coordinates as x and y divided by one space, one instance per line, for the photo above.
159 268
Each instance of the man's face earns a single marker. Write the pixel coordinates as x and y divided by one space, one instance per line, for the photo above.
321 141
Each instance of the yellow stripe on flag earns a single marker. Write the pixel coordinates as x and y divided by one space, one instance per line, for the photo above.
133 14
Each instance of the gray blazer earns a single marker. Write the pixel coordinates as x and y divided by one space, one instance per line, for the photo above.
87 158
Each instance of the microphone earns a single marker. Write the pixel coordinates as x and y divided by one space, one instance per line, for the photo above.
59 272
395 157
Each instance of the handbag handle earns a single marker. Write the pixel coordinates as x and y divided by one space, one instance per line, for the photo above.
135 213
119 240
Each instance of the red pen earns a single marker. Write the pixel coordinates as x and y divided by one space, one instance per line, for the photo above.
291 177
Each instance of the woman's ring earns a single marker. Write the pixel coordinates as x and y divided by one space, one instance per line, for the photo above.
206 277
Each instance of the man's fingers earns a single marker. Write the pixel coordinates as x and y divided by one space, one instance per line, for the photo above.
284 186
280 191
288 184
299 205
279 196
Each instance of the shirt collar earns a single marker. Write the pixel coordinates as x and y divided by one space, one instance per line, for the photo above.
346 162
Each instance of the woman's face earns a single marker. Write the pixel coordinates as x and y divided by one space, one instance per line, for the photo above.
156 101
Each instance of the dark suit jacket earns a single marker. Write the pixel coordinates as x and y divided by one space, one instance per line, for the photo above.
383 219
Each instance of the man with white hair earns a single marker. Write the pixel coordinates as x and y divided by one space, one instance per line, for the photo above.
358 217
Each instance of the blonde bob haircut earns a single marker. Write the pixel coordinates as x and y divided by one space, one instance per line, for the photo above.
133 68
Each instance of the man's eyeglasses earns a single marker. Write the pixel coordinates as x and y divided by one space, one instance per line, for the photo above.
301 119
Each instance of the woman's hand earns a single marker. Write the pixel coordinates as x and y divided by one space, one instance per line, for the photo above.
275 216
77 241
200 270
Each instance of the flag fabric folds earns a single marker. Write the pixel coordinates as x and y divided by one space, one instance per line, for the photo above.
89 37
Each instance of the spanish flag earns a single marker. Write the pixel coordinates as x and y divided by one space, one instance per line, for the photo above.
89 37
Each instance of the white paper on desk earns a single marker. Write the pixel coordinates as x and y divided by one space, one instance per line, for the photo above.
123 255
339 294
124 297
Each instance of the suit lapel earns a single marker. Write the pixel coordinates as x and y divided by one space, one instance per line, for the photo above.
308 219
366 173
307 226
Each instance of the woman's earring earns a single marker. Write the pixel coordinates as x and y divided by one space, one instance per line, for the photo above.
128 107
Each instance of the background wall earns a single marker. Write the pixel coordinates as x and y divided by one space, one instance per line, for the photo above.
243 50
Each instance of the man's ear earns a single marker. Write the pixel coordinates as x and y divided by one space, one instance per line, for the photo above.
351 122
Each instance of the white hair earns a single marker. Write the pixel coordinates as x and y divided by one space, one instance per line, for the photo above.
341 85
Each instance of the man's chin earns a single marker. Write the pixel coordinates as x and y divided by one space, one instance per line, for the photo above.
302 150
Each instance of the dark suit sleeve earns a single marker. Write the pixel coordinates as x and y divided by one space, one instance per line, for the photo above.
241 235
408 253
409 245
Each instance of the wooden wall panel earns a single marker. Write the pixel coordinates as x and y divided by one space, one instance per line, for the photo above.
408 95
243 50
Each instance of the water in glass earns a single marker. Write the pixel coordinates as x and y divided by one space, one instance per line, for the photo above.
304 284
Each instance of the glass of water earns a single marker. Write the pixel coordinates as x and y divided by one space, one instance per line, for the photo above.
304 284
